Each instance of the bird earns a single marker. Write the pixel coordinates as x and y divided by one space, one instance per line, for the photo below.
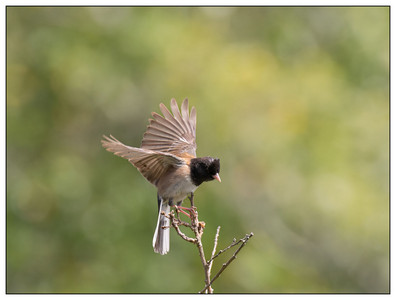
167 159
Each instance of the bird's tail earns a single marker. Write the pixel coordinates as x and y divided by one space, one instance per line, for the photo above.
161 235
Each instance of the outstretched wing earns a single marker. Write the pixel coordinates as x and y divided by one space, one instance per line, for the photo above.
151 164
172 133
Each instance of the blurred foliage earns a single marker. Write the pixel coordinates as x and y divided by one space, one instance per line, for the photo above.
293 100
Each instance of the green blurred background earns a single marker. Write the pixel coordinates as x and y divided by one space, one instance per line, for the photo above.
293 100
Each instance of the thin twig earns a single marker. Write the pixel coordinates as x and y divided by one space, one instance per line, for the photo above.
198 227
225 265
210 262
234 243
175 223
204 264
185 237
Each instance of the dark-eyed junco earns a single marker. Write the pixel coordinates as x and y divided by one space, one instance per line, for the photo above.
167 159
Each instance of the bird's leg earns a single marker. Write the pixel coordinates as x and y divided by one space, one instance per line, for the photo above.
191 197
181 209
191 210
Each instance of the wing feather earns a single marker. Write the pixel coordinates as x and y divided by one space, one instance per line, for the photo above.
176 113
185 115
166 123
171 119
172 133
193 119
157 128
151 164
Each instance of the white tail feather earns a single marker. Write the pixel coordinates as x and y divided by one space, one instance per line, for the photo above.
161 235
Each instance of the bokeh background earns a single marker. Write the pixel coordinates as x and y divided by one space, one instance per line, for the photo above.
293 100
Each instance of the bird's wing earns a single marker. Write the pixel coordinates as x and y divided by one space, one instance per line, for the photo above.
172 133
152 164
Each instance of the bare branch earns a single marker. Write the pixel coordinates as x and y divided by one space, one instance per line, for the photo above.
198 228
175 224
234 243
225 265
210 262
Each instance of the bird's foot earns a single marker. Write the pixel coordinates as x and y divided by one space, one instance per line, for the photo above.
191 210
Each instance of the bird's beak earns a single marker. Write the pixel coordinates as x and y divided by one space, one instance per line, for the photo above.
217 177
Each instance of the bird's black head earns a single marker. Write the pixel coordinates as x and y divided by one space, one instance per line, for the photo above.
204 169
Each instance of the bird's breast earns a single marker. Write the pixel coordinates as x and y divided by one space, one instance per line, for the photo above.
176 184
